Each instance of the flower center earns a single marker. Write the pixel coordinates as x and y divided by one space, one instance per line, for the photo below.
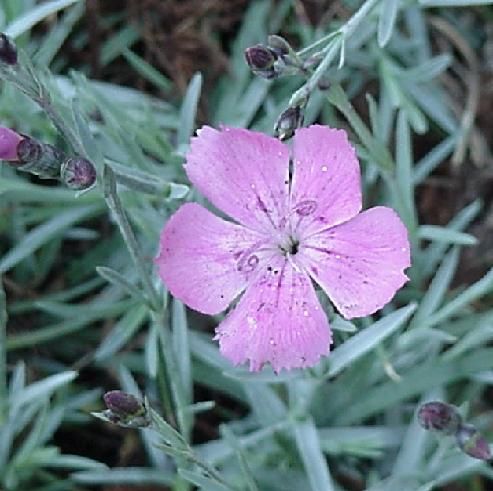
291 246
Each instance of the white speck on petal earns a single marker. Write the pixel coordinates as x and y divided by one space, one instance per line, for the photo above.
324 168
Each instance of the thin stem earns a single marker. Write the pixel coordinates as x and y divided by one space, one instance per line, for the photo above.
3 356
177 391
302 93
360 15
336 41
115 205
320 42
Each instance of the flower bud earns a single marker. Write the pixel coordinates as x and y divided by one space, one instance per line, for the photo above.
124 409
472 442
9 141
288 122
8 51
439 416
261 60
78 173
41 159
123 403
279 45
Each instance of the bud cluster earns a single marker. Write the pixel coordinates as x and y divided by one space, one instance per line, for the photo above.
274 59
445 418
44 160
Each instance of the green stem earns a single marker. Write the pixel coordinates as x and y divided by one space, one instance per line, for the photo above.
173 374
3 356
115 205
337 40
302 93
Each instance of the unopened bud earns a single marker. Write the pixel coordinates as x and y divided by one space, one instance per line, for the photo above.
124 409
123 403
279 45
41 159
472 442
8 51
439 416
261 60
9 141
78 173
288 122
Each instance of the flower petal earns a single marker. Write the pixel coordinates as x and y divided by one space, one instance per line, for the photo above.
360 264
278 321
326 188
244 173
8 143
205 261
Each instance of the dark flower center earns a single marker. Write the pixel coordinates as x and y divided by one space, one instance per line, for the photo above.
291 246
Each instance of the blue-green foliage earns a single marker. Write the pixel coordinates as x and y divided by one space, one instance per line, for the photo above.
354 413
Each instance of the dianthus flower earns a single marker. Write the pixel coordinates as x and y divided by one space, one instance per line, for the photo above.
297 219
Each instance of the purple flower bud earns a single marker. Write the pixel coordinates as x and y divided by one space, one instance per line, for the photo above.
288 122
472 442
41 159
8 51
123 404
439 416
124 410
29 150
260 57
78 173
9 141
261 60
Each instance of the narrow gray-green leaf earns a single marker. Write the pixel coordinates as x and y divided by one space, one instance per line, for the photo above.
386 21
40 235
367 339
475 291
43 388
34 15
438 287
444 234
308 443
189 109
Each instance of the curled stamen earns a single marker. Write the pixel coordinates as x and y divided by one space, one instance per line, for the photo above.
248 263
305 208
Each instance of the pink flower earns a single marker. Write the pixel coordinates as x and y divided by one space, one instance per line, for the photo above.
291 224
8 143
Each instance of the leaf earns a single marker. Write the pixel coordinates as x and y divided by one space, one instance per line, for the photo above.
453 3
377 150
121 332
386 21
475 291
127 475
35 15
42 389
438 288
308 443
367 339
188 110
147 71
416 381
203 482
40 235
444 234
117 279
182 348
